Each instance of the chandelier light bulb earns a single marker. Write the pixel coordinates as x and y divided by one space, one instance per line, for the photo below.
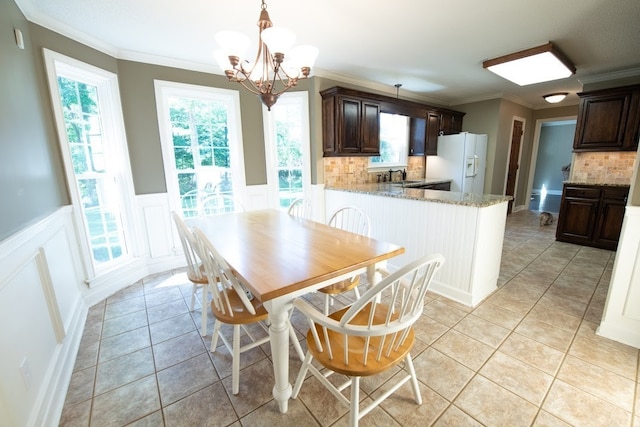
304 55
233 43
278 39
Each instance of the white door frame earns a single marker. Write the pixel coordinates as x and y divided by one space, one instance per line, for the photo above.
534 152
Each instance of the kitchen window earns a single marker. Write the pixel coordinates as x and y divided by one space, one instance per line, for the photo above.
394 143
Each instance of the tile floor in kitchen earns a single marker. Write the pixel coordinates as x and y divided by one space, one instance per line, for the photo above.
528 355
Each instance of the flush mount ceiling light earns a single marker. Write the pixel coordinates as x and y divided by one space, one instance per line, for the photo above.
554 98
269 75
535 65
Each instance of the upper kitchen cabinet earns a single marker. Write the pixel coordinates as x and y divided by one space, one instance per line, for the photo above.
450 122
351 122
417 136
350 125
423 139
608 120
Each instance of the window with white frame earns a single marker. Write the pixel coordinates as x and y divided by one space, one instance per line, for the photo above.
86 105
287 149
202 148
394 142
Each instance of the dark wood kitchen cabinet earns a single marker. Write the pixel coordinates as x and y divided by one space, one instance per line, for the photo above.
417 136
423 135
450 122
608 120
351 122
351 125
591 215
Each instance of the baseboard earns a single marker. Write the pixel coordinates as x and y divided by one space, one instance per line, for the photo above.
53 396
618 333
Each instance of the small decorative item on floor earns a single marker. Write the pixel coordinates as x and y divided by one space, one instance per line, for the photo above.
545 218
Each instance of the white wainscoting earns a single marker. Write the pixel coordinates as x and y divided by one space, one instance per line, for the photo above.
469 238
162 245
44 299
621 317
42 313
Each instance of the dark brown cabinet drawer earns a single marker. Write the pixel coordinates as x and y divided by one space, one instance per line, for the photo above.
582 192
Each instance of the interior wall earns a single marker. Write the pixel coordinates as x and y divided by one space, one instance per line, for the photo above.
140 115
30 172
554 151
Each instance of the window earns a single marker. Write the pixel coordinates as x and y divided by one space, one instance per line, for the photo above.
394 142
287 148
86 104
202 148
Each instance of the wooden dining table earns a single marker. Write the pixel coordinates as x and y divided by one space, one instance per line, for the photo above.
280 257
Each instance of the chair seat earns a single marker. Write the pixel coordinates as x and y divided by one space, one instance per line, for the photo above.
356 367
202 280
341 286
240 314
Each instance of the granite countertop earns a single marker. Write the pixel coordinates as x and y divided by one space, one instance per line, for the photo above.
592 182
397 190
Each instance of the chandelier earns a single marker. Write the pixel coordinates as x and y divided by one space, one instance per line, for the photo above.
269 75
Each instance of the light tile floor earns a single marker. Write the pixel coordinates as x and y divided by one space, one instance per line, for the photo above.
528 355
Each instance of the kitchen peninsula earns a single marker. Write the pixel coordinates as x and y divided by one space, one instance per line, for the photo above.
468 229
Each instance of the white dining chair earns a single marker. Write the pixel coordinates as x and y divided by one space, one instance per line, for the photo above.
216 204
232 304
300 208
368 337
195 271
348 218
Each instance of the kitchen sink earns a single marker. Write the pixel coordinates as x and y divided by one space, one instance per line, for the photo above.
405 182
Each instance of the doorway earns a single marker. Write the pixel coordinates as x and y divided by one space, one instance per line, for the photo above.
515 148
551 160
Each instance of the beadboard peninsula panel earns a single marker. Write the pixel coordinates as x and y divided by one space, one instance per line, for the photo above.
470 238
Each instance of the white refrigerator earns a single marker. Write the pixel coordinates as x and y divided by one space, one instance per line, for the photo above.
461 158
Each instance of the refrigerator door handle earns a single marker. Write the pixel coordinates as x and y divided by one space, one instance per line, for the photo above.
476 164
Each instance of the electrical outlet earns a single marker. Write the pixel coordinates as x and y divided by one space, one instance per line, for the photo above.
25 370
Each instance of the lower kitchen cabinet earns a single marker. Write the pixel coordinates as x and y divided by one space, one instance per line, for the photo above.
591 215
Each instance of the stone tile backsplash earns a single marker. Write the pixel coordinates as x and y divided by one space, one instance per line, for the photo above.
342 171
610 167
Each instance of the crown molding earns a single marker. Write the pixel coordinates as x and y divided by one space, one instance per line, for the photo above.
614 75
386 89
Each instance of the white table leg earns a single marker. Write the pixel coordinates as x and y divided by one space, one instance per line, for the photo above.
373 273
279 336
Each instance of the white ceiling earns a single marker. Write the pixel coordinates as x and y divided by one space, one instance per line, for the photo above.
435 49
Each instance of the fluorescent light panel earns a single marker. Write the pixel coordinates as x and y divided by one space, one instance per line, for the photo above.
535 65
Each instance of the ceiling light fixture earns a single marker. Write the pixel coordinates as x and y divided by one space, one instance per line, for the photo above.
554 98
268 76
535 65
